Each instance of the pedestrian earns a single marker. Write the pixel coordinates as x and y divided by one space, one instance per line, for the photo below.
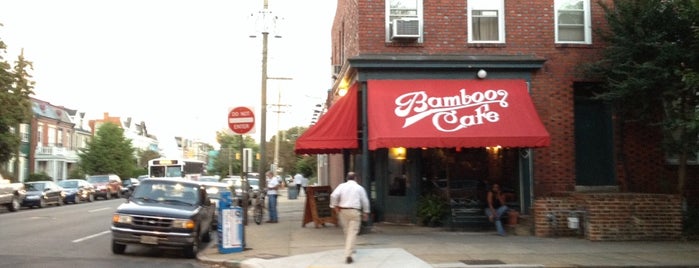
304 183
272 186
298 181
496 207
349 200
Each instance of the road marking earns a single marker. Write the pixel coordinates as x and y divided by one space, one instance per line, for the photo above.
90 236
99 209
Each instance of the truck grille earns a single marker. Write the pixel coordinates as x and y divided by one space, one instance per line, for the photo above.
152 222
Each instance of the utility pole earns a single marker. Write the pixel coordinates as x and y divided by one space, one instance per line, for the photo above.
268 22
276 140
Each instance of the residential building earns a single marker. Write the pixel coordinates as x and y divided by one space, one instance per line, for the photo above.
53 144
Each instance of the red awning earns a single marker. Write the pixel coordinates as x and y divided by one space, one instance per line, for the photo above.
452 113
334 131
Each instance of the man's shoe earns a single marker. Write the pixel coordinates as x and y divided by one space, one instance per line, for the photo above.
271 221
348 260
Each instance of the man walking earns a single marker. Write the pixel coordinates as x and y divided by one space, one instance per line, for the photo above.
272 186
298 180
349 200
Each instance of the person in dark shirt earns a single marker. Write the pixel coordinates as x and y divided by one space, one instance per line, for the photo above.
496 207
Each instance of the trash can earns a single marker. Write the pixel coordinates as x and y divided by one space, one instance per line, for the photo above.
231 235
293 192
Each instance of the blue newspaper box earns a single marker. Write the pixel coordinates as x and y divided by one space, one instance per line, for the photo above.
231 236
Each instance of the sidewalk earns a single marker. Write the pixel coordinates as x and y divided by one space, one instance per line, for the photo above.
288 244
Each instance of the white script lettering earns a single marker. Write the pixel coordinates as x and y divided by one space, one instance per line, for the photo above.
417 105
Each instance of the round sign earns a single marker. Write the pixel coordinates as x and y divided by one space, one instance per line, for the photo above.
241 120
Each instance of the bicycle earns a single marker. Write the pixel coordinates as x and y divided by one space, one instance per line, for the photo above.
259 208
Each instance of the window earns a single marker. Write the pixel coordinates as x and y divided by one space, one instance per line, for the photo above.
39 134
24 131
52 136
59 138
573 21
403 20
486 21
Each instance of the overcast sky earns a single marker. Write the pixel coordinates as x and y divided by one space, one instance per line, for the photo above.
177 65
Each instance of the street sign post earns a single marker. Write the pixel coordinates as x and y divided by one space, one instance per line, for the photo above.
241 120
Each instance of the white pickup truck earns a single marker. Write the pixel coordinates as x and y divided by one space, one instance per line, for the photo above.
11 194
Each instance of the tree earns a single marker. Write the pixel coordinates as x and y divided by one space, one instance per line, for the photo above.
15 105
109 152
646 69
228 161
146 155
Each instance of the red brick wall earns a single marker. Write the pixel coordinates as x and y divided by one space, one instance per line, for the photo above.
610 216
359 29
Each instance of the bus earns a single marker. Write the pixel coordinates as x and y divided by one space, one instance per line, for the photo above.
190 169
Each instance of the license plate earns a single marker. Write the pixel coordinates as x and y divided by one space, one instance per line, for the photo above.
153 240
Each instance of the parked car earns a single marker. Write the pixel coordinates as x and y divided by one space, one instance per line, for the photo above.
214 190
42 193
237 183
128 186
11 194
164 213
209 178
254 187
77 190
106 186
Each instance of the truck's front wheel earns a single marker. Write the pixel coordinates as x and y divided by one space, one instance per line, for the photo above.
118 248
191 251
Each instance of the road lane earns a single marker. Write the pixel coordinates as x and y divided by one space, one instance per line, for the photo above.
73 235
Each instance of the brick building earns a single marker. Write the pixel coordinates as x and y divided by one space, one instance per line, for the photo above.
449 97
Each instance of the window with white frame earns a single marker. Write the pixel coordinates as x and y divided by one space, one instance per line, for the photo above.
40 134
24 132
51 142
403 19
572 20
486 21
59 138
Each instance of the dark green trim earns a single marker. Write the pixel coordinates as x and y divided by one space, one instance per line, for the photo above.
457 61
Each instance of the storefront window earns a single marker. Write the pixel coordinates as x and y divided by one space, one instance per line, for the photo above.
463 175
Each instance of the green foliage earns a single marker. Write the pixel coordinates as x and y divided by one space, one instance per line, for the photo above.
109 152
76 173
15 105
146 155
38 177
432 208
651 53
306 165
225 162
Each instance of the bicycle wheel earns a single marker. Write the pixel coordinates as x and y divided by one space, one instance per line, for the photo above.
257 214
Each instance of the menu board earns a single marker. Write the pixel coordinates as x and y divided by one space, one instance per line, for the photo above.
317 209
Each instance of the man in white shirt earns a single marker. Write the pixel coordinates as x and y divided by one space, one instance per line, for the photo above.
349 200
298 180
304 183
272 186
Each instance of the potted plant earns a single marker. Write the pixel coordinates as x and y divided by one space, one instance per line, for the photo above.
431 208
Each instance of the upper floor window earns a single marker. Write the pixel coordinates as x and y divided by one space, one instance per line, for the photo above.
24 132
403 20
40 134
486 21
59 138
573 21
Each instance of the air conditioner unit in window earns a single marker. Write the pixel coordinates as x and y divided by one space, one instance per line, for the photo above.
406 28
